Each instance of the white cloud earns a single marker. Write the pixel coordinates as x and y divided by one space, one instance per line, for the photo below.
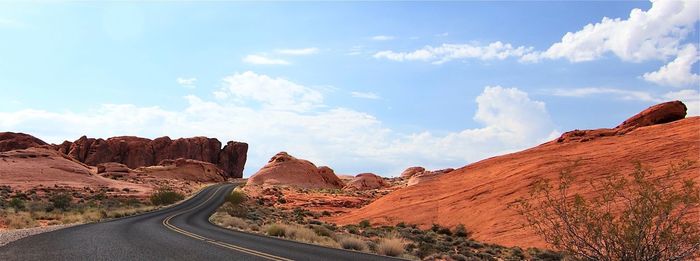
186 82
365 95
383 37
652 34
621 93
301 51
273 93
447 52
678 73
264 60
445 34
350 141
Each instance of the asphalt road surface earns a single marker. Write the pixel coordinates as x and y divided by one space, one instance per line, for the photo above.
181 232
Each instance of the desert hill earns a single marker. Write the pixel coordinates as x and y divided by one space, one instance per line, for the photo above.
284 169
478 194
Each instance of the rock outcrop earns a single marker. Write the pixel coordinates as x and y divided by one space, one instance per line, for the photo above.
661 113
479 194
409 172
365 181
424 176
284 169
184 169
137 152
16 141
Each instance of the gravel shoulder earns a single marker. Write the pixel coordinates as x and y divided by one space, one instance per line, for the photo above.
7 236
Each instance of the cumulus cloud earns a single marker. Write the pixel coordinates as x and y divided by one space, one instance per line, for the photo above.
448 52
264 60
383 37
653 34
656 34
275 114
186 82
677 73
298 52
365 95
272 93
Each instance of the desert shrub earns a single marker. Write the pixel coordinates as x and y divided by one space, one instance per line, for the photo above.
60 201
353 243
234 222
461 231
323 231
165 196
236 197
364 223
302 234
630 218
17 204
276 230
325 213
391 246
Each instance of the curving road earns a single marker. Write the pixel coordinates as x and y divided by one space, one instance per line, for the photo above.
180 232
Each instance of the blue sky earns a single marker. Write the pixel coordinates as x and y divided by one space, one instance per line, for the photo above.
362 87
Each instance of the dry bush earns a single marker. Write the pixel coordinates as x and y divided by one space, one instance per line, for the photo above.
276 230
391 246
630 218
230 222
303 234
353 243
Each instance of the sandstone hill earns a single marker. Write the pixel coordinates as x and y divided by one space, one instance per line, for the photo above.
27 169
284 169
14 141
478 194
365 181
137 152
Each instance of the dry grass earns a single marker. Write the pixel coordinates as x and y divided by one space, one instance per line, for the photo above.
34 218
227 221
353 243
392 246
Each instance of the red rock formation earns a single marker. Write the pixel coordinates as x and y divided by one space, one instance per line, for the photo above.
365 181
426 175
137 152
112 167
283 169
657 114
411 171
478 194
184 169
15 141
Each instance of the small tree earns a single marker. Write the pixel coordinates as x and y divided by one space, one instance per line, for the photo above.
61 201
165 196
635 218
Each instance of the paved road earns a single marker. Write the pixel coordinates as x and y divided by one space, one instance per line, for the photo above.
181 232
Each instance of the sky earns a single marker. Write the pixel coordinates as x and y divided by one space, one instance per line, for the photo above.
358 86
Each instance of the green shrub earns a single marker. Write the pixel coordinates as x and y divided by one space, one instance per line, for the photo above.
353 243
364 223
652 218
236 197
61 201
323 231
17 204
165 196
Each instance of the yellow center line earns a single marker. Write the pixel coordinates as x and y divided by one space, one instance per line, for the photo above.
167 224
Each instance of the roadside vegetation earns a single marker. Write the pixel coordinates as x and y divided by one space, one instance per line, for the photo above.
243 213
632 217
45 208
